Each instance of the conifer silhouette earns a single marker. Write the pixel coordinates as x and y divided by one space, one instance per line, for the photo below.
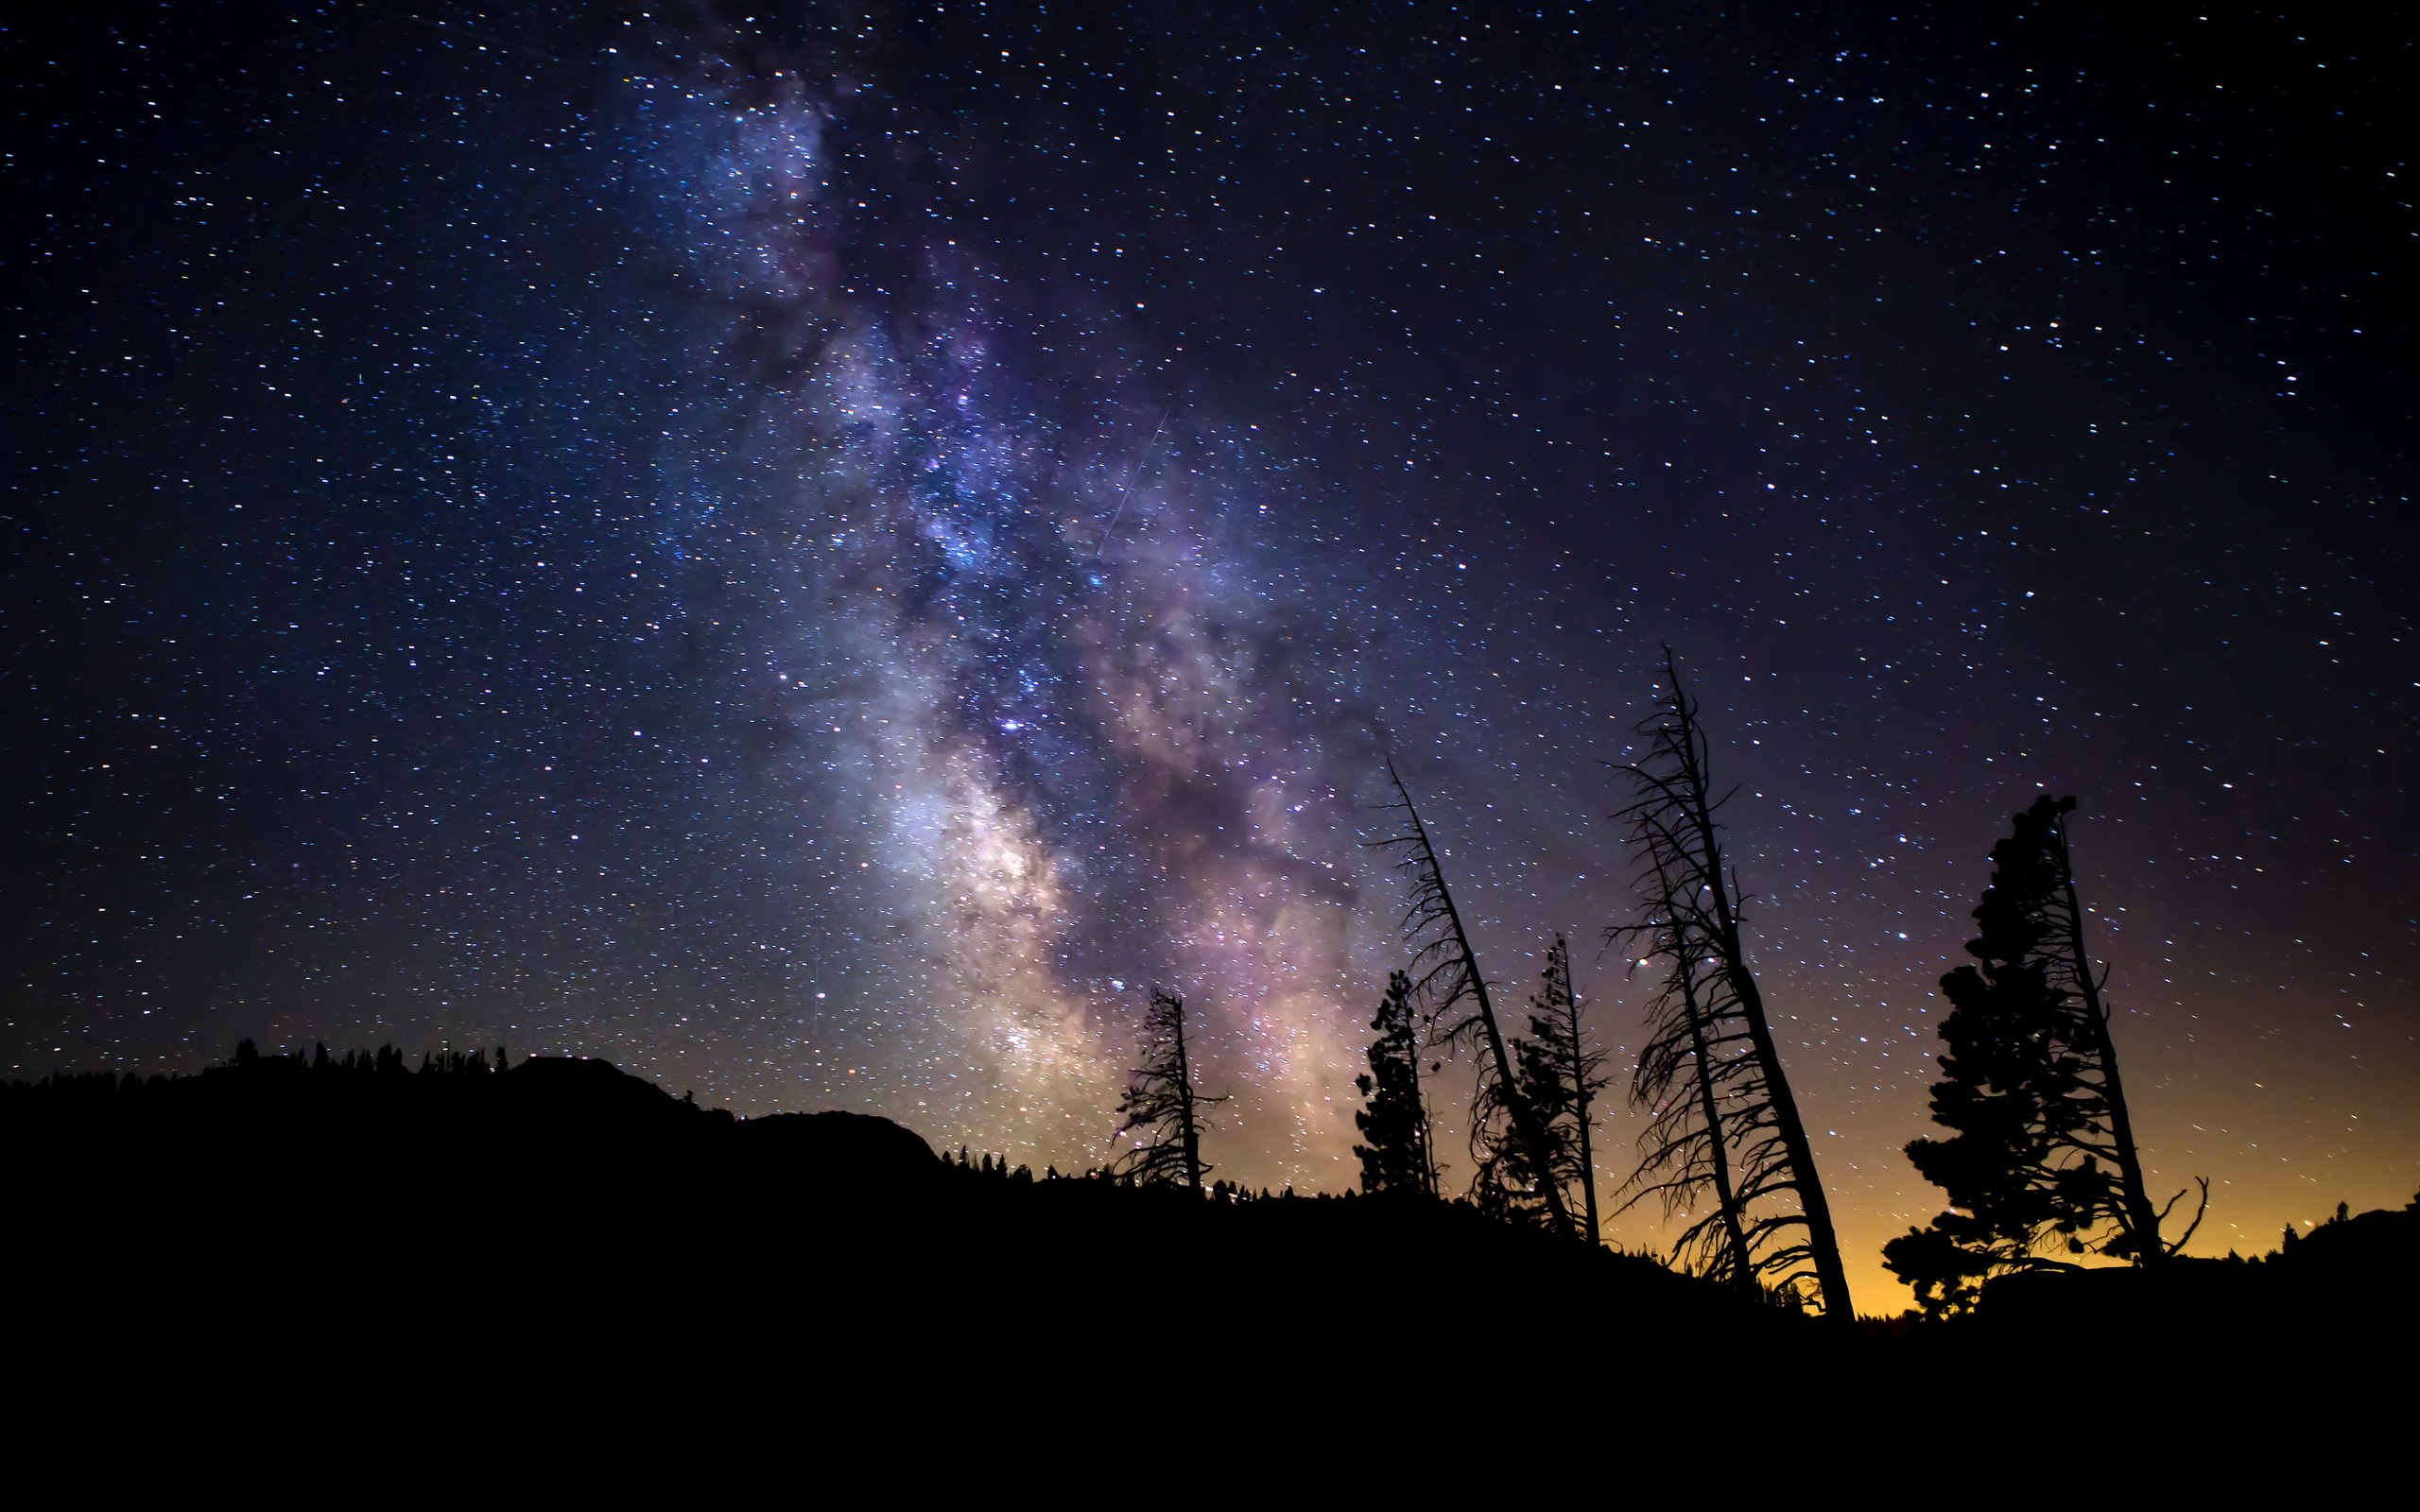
1395 1122
2043 1152
1560 1077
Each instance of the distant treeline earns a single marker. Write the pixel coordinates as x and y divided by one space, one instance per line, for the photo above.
384 1061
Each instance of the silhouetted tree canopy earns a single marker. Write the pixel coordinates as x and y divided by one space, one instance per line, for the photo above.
2042 1154
1394 1119
1560 1078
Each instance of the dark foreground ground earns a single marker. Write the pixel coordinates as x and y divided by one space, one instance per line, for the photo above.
300 1250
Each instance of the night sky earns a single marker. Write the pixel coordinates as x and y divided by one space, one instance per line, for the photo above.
815 552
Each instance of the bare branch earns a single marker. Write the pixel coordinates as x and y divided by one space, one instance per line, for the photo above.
2202 1208
1721 1119
1446 978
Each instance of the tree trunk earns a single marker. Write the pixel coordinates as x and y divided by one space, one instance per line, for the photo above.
1822 1242
1184 1112
1581 1099
2140 1217
1427 1128
1524 1118
1743 1271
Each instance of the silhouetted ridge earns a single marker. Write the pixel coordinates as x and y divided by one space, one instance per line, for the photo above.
856 1148
293 1180
2344 1280
325 1150
636 1241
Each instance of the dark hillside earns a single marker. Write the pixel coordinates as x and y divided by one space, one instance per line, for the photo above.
360 1237
283 1185
2346 1285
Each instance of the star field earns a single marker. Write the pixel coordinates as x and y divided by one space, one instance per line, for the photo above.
814 554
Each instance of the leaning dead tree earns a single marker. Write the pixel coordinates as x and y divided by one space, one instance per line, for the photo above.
1446 982
1683 1083
1509 1183
1559 1076
2102 1091
1711 1076
1161 1106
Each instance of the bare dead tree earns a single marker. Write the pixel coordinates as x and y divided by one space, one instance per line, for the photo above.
1452 991
2063 937
1683 1154
1161 1102
1742 1124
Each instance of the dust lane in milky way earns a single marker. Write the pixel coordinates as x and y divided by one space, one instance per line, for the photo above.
1046 680
819 563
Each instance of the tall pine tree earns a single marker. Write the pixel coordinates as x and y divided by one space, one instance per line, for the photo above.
1558 1077
1395 1119
2042 1154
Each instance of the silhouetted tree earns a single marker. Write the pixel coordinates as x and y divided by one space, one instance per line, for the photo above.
1509 1184
1449 985
1683 1153
1736 1126
1569 1078
1560 1078
2044 1151
1161 1102
1395 1120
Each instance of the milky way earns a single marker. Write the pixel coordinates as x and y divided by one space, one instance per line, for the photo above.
820 555
1047 702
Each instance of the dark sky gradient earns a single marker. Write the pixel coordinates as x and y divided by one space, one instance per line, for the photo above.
813 556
